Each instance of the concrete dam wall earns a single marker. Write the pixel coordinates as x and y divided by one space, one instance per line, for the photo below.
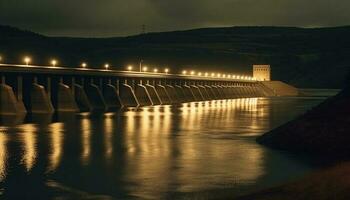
48 91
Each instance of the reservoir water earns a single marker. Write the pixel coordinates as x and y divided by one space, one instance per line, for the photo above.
203 150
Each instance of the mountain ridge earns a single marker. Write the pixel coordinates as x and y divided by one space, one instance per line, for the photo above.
303 57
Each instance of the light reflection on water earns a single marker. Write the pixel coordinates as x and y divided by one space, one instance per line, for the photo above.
29 138
86 140
150 152
56 137
3 153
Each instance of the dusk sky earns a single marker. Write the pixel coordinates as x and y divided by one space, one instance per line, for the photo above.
97 18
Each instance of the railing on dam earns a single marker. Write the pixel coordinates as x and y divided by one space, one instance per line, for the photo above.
43 89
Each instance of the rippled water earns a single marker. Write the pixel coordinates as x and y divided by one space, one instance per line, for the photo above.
193 150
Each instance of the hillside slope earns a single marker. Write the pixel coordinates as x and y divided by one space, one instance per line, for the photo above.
301 57
324 130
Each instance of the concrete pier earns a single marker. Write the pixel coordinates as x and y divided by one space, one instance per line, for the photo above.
8 103
40 101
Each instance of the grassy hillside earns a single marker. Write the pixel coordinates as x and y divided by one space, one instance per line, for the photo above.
302 57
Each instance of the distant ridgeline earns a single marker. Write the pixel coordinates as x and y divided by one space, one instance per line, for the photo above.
313 58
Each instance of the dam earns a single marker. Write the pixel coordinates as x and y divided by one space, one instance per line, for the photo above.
48 89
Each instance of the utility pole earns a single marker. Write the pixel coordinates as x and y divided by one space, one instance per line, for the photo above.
143 29
141 61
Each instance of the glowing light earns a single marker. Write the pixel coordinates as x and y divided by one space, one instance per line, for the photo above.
212 74
130 67
145 69
224 75
54 62
229 76
199 73
83 65
206 74
184 72
234 76
0 59
166 70
219 75
155 70
106 66
193 72
27 60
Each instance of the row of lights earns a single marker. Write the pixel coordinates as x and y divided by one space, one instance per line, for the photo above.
216 75
27 60
145 69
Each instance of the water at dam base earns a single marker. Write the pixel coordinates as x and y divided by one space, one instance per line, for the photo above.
190 150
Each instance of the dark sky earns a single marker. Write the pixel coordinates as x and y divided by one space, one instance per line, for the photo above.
100 18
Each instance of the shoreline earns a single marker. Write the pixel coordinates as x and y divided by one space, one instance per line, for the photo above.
325 184
320 132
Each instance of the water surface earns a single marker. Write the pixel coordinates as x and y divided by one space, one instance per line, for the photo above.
192 150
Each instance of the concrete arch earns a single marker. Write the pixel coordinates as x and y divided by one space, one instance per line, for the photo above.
81 99
153 94
235 92
95 96
188 93
163 94
221 92
216 91
65 99
180 93
211 92
143 95
127 96
111 97
196 93
173 94
204 92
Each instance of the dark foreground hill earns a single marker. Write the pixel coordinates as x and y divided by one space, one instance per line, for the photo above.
324 130
302 57
326 184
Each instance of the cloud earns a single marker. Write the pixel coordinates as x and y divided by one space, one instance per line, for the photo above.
121 17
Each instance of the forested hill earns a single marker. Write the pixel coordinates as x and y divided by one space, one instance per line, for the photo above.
302 57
